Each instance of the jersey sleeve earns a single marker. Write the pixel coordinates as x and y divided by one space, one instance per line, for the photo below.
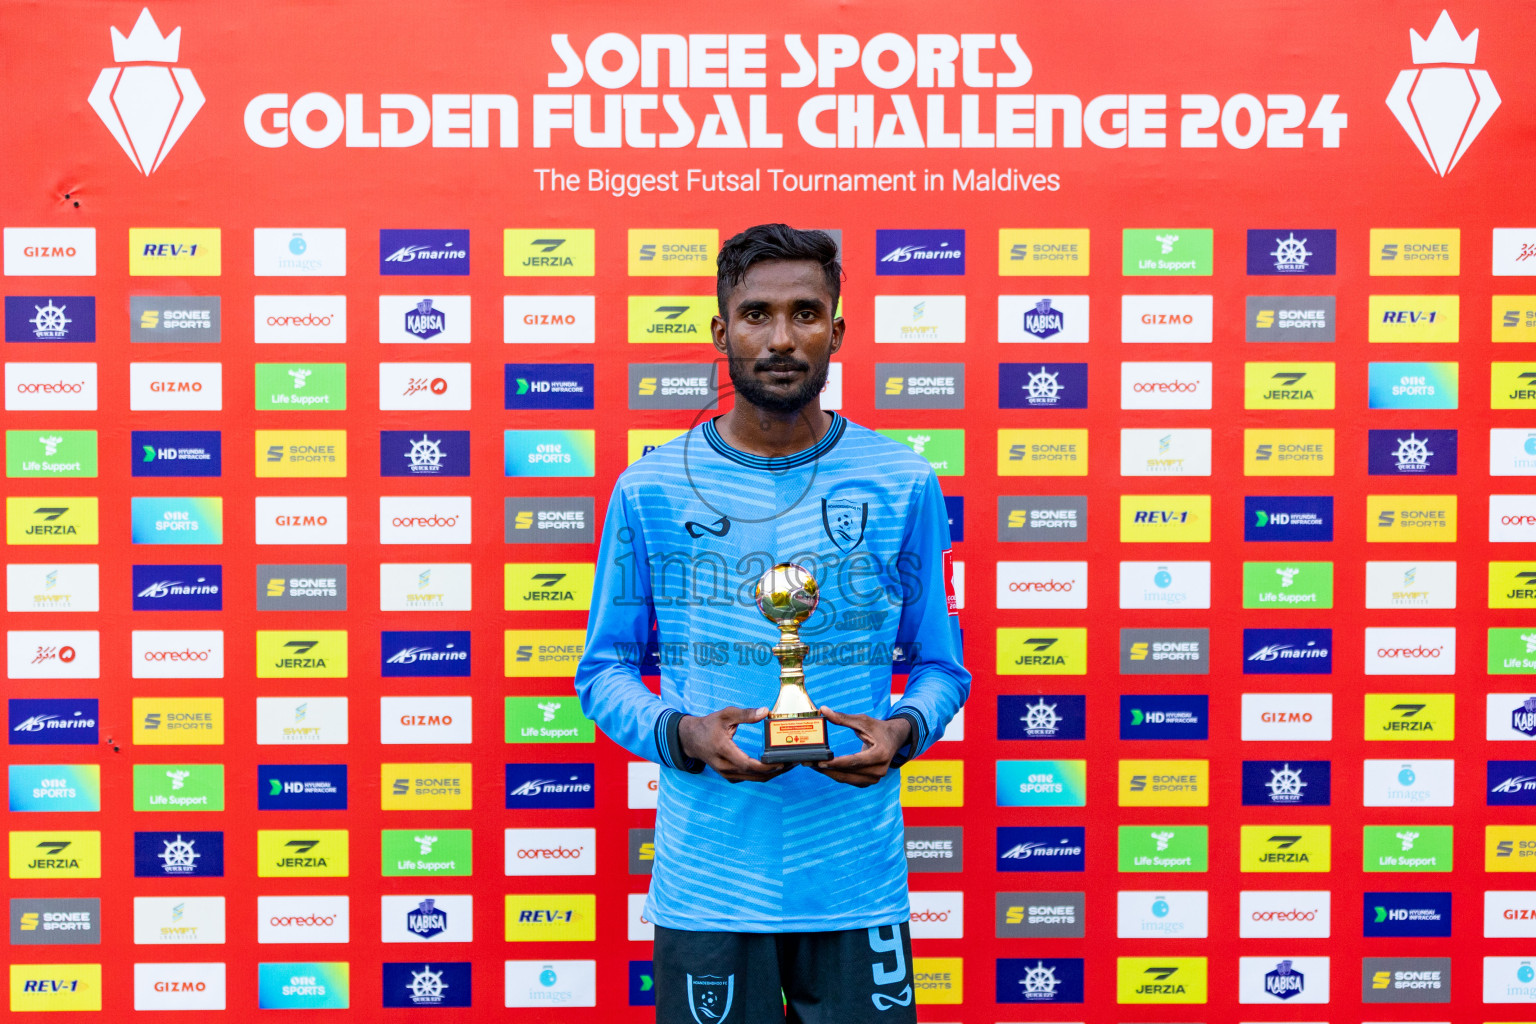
938 683
618 631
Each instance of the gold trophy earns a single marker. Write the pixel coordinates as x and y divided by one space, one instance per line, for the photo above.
795 730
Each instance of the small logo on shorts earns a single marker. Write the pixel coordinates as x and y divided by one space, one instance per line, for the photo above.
710 997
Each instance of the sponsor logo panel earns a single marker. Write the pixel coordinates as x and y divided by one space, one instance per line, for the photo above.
1040 848
1034 518
1160 452
1154 716
1162 914
934 848
1040 784
170 721
50 252
55 922
1395 914
1289 783
1165 585
425 786
410 319
1178 848
170 453
175 252
301 721
1163 979
52 587
425 852
1285 914
1291 318
178 653
1287 584
54 787
674 252
1409 519
301 853
1050 716
551 917
175 318
439 251
301 654
1292 252
52 721
549 453
300 252
1165 385
55 854
934 783
301 588
1288 386
178 520
424 520
1285 848
930 319
1514 318
46 454
1039 980
178 787
1413 385
1414 318
50 318
673 319
299 319
1040 915
1165 518
303 919
1415 252
549 252
194 986
309 787
546 652
1037 386
1155 319
285 387
436 720
1423 650
551 851
1412 782
1287 716
1144 783
1038 452
693 386
1053 319
548 385
53 654
302 519
423 586
1165 651
1042 252
55 987
304 986
550 983
1164 252
1407 848
180 854
1288 452
1293 980
917 252
420 387
1042 651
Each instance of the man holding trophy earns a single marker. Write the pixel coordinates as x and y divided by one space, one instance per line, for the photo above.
838 537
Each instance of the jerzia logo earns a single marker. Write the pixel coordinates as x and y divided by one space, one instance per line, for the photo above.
1443 109
146 107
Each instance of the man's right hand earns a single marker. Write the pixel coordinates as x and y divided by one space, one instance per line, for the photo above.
712 739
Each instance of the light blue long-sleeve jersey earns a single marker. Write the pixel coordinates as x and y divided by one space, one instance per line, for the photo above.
690 528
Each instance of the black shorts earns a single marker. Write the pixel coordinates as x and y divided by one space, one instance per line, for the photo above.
862 976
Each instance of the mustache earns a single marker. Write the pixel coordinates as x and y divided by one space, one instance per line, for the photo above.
771 365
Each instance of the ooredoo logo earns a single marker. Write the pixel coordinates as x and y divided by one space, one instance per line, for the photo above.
1042 584
300 319
1279 914
50 386
1420 651
1165 385
178 654
424 520
302 919
551 851
938 915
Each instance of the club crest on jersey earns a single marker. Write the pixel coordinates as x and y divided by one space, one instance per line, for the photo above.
719 528
844 520
710 996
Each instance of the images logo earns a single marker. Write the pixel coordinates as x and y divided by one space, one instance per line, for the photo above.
424 252
919 252
148 106
1443 109
1292 252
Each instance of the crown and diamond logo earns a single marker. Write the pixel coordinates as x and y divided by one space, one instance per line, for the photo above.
147 104
1443 108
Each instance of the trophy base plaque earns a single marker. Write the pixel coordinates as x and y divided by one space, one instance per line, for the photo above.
791 740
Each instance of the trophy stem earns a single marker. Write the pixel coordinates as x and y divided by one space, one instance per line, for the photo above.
795 730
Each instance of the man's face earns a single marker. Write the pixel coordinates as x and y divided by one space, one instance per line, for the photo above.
778 334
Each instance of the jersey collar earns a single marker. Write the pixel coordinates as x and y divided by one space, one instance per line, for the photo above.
828 441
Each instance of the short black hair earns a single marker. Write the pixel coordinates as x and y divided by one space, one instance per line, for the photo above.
763 242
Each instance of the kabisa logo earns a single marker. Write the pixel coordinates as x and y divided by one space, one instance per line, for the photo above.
1040 848
1511 783
925 252
1042 386
549 785
424 453
56 318
1287 783
1443 109
424 654
147 106
178 854
1044 321
179 588
1288 252
424 322
427 984
52 721
424 252
1287 651
1039 980
1051 716
1284 982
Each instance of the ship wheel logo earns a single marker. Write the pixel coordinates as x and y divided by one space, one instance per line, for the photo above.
1412 452
50 321
1043 386
1285 785
1041 717
1039 981
425 455
178 856
427 985
1291 253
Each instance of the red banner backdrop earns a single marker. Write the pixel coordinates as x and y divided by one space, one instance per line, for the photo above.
452 233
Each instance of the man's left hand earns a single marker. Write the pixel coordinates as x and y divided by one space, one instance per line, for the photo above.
882 740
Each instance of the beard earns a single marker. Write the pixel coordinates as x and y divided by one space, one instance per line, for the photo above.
755 393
